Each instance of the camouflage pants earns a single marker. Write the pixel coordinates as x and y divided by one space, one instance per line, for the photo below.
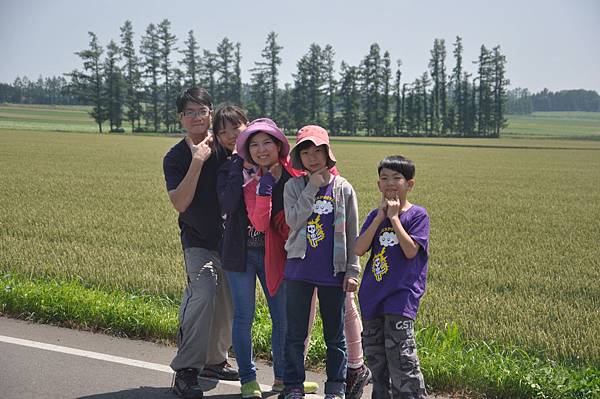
390 349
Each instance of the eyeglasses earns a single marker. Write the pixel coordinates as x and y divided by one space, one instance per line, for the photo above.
192 114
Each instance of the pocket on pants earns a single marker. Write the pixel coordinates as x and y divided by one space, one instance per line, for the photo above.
199 264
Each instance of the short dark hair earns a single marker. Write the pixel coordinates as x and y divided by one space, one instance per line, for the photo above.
399 164
196 95
228 113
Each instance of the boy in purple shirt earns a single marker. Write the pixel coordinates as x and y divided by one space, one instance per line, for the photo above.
397 234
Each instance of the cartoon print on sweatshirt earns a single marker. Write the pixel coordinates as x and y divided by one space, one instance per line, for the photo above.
314 230
387 238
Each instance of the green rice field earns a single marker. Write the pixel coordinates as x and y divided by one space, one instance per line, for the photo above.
514 239
88 238
61 118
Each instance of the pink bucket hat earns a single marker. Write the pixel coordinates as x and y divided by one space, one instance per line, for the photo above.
264 125
318 136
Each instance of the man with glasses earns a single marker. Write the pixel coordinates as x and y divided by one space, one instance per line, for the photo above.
205 316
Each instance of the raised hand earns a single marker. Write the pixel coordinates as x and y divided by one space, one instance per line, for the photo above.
317 178
276 171
382 210
393 208
202 150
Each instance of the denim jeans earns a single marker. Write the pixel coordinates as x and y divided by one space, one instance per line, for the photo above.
331 307
243 293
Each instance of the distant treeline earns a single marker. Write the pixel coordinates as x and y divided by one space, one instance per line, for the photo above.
139 86
520 101
54 90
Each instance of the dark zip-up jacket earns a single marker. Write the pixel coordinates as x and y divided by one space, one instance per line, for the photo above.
230 193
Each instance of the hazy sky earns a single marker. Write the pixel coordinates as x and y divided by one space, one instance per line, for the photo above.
548 43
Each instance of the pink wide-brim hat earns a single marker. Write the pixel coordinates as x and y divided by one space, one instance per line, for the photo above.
264 125
318 136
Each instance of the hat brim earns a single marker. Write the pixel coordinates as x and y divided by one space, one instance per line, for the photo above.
317 141
240 143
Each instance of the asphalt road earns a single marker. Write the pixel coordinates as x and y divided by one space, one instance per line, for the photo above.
38 360
45 361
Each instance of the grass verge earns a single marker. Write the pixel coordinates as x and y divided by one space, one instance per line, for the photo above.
449 362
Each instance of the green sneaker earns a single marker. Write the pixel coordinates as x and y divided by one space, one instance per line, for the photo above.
251 389
310 387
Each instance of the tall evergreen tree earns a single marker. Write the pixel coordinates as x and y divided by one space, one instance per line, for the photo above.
403 118
434 69
260 92
267 71
442 86
425 82
438 106
383 125
316 80
371 84
457 122
114 85
350 98
236 86
191 60
150 50
132 76
89 83
178 81
284 116
417 109
331 87
411 102
471 111
208 72
398 94
224 64
270 68
167 42
499 90
300 107
484 103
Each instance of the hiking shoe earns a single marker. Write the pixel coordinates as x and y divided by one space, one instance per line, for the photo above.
356 381
292 393
251 389
221 371
186 384
309 387
278 386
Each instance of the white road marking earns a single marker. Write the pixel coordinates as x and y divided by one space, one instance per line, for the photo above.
106 357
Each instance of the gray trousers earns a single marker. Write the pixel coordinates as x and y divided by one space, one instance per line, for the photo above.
206 312
391 351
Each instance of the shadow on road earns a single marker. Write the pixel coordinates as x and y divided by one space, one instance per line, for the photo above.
159 393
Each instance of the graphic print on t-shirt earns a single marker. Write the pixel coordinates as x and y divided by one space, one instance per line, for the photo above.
314 230
387 238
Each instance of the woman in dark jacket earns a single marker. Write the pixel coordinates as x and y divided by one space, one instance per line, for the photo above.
243 256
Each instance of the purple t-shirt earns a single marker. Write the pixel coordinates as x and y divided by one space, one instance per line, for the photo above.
317 265
392 283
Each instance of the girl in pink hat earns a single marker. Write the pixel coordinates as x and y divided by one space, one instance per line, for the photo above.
321 210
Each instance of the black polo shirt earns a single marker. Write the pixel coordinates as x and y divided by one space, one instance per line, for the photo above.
201 224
